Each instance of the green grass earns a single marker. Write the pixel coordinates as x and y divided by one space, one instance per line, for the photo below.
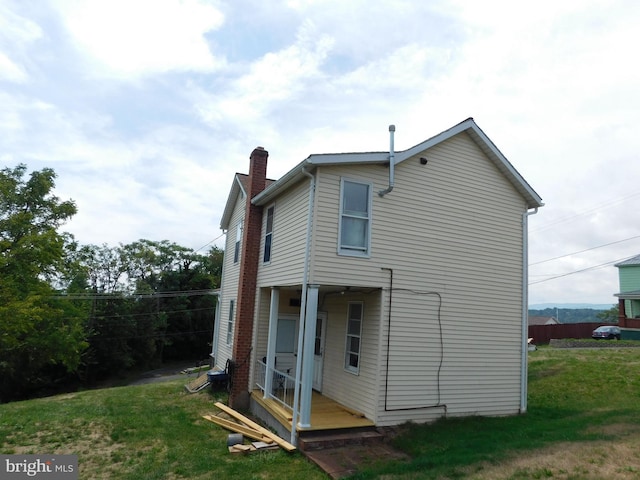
586 398
139 432
583 422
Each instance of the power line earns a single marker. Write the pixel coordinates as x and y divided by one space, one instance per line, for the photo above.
579 271
585 250
606 204
207 244
110 296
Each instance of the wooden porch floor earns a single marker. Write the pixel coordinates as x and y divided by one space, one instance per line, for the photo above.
326 414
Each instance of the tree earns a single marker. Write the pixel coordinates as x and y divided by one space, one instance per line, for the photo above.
39 331
609 316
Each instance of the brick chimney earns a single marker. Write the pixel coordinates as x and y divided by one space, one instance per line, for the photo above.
249 260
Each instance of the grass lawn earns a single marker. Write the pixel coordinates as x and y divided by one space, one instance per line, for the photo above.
153 431
583 422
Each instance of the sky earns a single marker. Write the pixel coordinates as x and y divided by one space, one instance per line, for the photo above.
146 108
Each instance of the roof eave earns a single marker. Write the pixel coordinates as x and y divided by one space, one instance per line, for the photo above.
236 188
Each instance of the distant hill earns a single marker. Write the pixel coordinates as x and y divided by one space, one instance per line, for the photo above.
593 306
570 315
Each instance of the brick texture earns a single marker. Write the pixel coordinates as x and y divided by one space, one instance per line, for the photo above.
249 260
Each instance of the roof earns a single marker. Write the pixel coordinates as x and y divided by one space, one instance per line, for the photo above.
633 295
541 320
469 126
239 186
629 261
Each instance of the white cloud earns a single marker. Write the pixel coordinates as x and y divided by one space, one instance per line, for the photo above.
16 33
136 38
552 83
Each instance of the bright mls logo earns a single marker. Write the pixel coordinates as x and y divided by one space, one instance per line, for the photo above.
51 467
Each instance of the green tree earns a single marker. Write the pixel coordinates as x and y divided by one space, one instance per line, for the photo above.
609 316
38 329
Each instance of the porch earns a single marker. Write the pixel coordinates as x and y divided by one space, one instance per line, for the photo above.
326 414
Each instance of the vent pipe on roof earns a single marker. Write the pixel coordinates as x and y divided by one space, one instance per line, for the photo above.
392 161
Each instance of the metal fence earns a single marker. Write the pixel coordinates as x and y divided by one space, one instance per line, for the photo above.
282 384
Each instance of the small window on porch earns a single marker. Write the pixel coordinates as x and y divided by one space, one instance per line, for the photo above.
286 337
354 332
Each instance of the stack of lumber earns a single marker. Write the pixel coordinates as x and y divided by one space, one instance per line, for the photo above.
197 384
250 429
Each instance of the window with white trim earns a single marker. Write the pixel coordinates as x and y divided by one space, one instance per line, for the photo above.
268 235
230 322
354 335
236 253
355 218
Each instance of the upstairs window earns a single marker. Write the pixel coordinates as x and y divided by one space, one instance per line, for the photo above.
230 322
236 253
354 333
268 235
355 218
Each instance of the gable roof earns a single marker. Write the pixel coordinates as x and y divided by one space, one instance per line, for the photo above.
239 186
469 126
541 320
629 261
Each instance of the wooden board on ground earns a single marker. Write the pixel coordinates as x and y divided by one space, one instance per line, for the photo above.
197 384
237 428
250 423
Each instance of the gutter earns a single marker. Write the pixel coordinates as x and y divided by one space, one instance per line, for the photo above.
525 308
303 307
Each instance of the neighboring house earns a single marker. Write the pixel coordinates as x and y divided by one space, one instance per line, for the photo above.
391 284
540 320
629 298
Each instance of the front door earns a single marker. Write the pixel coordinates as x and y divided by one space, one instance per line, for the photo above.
318 351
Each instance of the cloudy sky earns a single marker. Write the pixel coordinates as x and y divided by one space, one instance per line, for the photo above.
146 108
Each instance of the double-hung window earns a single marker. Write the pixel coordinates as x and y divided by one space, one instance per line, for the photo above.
354 334
236 253
355 218
230 322
268 235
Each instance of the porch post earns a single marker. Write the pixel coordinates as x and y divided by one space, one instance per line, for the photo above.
271 341
308 355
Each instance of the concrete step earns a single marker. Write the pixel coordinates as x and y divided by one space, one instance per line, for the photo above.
335 439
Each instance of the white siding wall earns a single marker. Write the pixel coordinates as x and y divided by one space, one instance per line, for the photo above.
354 391
289 236
452 227
231 275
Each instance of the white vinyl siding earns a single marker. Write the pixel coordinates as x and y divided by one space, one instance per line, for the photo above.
452 227
354 391
230 276
354 233
290 230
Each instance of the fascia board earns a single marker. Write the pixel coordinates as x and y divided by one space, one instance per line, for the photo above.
236 189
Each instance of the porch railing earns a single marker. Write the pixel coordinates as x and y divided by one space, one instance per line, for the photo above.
282 384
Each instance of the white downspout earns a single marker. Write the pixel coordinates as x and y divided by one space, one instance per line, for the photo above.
303 307
392 161
525 309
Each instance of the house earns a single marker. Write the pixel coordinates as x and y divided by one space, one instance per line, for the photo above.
629 298
541 320
383 287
